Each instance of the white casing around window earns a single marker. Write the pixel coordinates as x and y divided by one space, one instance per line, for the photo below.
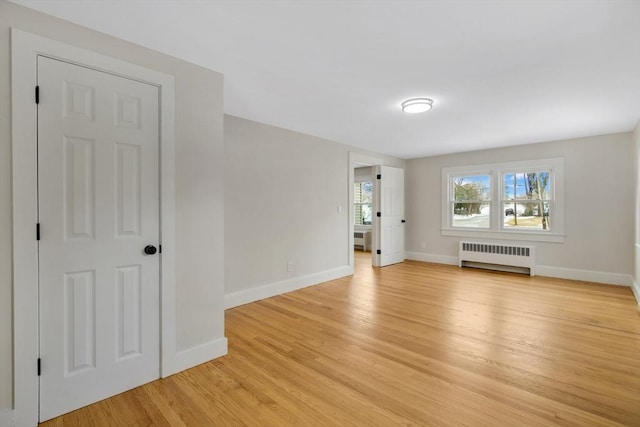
496 171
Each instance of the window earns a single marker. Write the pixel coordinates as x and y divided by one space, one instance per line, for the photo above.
471 201
516 200
526 200
363 201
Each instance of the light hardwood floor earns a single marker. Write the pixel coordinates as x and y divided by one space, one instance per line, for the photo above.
411 344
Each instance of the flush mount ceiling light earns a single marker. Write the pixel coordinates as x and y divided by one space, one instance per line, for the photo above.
417 105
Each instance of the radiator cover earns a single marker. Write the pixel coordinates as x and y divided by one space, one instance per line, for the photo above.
497 255
362 239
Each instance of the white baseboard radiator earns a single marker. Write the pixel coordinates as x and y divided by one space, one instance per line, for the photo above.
513 258
362 240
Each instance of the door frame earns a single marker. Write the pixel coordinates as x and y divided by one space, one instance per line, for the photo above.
25 48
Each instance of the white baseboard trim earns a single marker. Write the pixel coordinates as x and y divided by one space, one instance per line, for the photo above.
235 299
6 418
197 355
438 259
584 275
635 288
544 270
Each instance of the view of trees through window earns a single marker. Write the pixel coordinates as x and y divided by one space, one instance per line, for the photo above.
526 200
512 198
471 201
363 202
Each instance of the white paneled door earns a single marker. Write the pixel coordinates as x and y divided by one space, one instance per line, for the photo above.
98 195
390 221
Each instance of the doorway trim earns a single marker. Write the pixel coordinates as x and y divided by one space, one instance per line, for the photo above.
25 48
358 160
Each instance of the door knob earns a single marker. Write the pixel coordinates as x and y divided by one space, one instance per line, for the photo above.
403 221
150 250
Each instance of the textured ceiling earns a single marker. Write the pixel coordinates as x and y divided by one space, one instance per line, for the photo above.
501 73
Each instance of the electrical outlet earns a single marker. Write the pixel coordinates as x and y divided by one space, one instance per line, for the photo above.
423 245
290 266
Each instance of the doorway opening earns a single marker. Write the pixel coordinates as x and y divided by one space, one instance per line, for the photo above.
363 209
381 212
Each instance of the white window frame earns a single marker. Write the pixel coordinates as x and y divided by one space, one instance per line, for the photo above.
451 196
362 226
555 166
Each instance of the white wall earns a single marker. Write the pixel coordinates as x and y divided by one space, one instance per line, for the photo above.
599 177
199 192
636 270
362 174
283 191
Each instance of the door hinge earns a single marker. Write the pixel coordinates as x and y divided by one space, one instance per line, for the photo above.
38 231
379 176
378 214
37 94
379 252
39 366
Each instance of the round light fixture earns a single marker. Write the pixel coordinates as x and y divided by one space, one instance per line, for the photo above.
417 105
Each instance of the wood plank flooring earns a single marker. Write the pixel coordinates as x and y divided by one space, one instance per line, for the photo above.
413 344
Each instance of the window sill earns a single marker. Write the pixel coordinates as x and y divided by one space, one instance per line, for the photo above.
362 227
505 235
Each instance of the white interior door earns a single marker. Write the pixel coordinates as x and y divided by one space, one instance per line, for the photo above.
389 219
98 195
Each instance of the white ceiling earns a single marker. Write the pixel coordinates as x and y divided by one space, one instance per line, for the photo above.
501 72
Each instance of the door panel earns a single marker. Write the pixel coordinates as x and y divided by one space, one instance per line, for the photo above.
79 197
80 327
98 208
128 200
390 223
129 309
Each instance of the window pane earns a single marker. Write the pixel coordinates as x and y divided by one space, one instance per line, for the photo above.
357 193
362 214
526 215
362 200
471 187
366 214
367 192
473 215
526 185
543 181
